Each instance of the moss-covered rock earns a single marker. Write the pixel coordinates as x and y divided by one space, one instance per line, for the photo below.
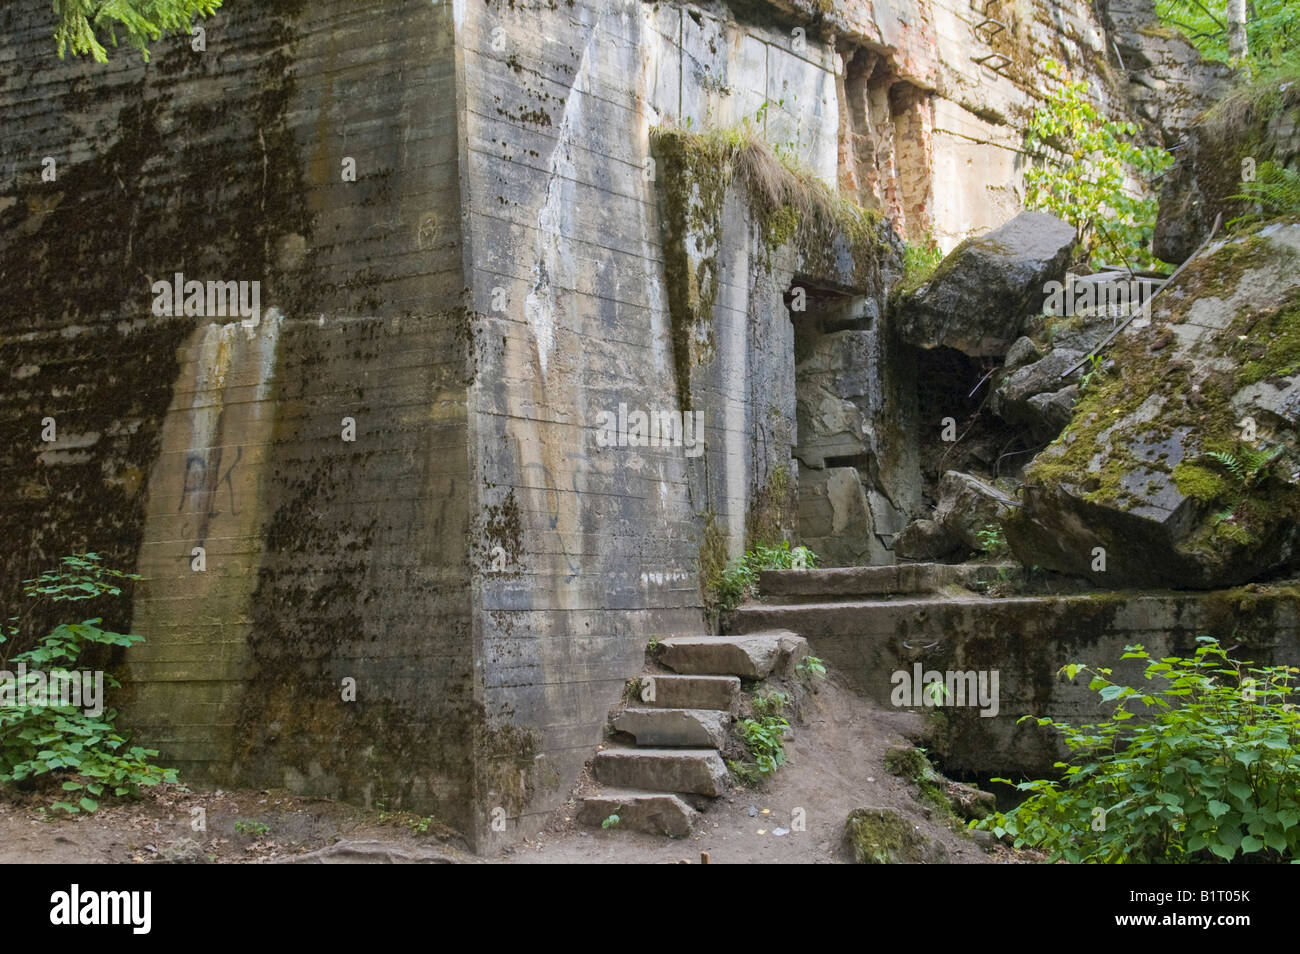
1254 123
881 836
1182 463
979 297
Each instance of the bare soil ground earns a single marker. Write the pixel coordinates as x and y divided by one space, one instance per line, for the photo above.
836 764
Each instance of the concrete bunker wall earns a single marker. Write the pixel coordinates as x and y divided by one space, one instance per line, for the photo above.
324 558
498 275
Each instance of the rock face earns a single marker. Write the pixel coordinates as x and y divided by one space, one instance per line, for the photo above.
856 476
836 520
1182 467
1037 397
979 297
1213 159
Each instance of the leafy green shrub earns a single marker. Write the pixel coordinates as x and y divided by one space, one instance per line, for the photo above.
764 738
1272 29
740 577
811 667
736 582
1082 160
85 751
920 259
1212 773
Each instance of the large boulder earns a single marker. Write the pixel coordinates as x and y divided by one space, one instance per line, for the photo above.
925 540
980 296
968 505
1181 467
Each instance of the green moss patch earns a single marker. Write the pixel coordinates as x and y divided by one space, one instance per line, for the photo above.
1096 460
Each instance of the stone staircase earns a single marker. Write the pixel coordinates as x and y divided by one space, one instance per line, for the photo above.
678 724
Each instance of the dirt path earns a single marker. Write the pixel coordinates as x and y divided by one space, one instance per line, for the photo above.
836 764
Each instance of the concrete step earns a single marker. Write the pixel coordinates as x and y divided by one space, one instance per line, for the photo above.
658 813
697 771
870 619
691 728
689 692
804 586
752 656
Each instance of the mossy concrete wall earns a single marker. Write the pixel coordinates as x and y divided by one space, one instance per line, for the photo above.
495 277
1027 640
326 559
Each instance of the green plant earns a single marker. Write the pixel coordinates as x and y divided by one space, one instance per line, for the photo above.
254 828
740 577
920 259
1092 377
653 646
1274 192
935 692
1247 470
772 704
610 822
764 737
992 539
82 26
418 825
811 667
1272 30
1082 159
85 751
730 588
1211 772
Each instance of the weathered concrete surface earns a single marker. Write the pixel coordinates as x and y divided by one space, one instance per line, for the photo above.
692 692
692 728
323 559
786 586
691 771
493 280
755 655
656 813
1026 640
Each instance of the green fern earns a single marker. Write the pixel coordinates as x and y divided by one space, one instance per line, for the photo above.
1247 469
1275 192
